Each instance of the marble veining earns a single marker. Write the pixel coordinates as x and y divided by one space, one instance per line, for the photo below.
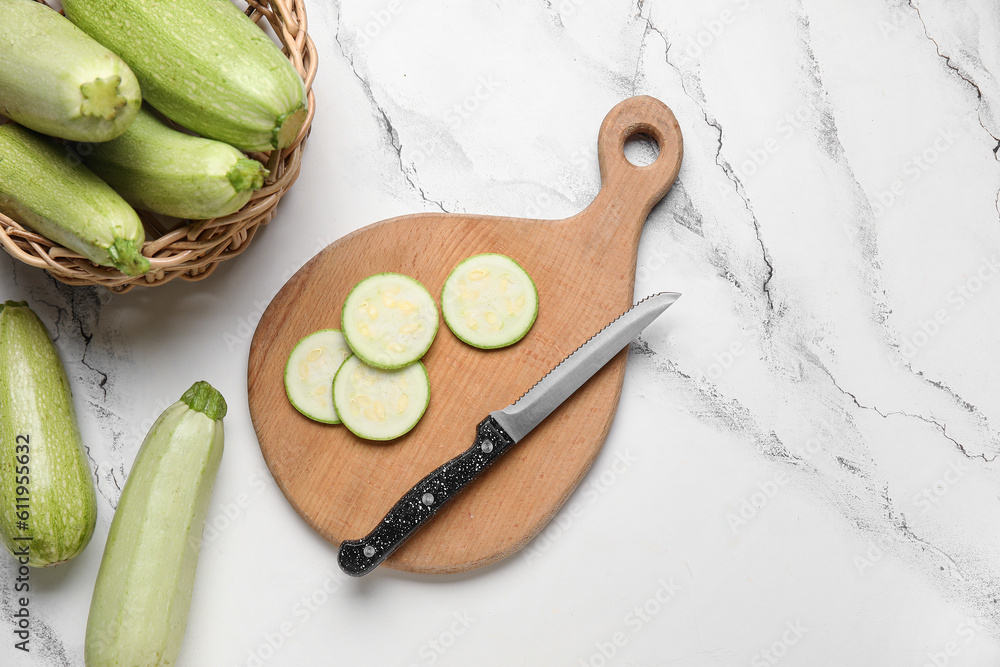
803 469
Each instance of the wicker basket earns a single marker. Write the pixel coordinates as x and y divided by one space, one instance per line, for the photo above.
193 251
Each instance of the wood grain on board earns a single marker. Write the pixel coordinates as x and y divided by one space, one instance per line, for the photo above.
584 268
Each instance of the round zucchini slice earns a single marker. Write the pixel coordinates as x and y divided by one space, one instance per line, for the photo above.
389 320
489 301
309 374
377 404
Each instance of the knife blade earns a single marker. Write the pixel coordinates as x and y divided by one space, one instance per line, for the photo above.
495 435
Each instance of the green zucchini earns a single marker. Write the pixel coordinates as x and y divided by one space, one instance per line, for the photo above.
57 80
49 506
389 320
159 169
139 610
47 192
203 64
377 404
309 374
489 301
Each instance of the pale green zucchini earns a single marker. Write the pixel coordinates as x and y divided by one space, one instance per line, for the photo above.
159 169
309 374
489 301
389 320
203 64
56 79
49 193
139 610
377 404
48 506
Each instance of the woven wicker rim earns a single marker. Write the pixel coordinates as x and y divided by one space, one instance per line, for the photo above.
193 251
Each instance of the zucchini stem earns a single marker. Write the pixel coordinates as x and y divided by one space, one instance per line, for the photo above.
102 98
127 257
13 304
288 125
247 174
206 399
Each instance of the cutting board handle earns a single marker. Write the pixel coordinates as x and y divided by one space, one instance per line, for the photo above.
629 192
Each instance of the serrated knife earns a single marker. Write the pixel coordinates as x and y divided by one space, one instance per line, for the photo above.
497 433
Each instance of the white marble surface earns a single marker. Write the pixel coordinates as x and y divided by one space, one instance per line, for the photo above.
802 471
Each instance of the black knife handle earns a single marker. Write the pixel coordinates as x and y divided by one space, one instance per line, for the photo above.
359 557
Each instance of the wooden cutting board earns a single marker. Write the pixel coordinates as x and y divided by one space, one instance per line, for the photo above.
584 267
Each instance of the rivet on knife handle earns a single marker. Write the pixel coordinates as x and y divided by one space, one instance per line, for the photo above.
359 557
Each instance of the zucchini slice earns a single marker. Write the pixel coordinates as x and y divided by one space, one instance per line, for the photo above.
389 320
309 374
489 301
376 404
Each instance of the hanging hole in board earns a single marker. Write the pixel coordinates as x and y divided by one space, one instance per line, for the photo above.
641 149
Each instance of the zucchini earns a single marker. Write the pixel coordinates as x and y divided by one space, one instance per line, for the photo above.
159 169
489 301
203 64
389 320
46 488
309 374
57 80
45 191
377 404
139 610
